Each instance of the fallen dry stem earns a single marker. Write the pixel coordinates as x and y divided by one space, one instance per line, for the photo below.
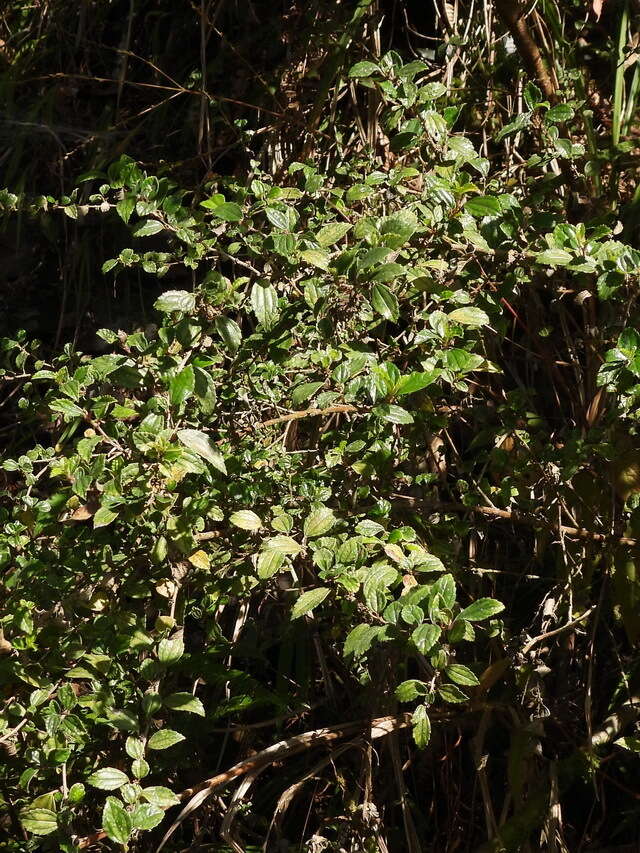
197 795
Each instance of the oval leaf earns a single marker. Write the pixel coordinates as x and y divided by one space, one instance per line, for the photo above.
421 726
283 544
39 821
331 233
461 675
160 796
264 301
319 522
385 302
481 609
146 816
229 331
116 821
451 693
482 205
176 300
201 444
269 563
469 317
309 600
246 520
184 702
425 637
164 739
228 211
108 779
169 652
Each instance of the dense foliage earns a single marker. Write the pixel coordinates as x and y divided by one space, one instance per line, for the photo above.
334 547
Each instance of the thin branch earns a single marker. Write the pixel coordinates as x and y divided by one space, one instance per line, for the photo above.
517 518
557 631
308 413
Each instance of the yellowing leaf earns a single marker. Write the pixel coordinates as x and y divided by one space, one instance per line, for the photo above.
246 519
200 560
283 544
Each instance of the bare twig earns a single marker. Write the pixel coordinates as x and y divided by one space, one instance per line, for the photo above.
557 631
516 518
309 413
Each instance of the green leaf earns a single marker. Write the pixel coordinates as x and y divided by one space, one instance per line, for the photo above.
229 331
285 220
201 444
319 522
385 302
316 257
134 747
160 796
359 640
146 816
308 601
331 233
421 726
304 392
181 386
66 408
446 588
125 207
559 114
77 792
628 742
367 527
184 702
229 211
264 301
363 69
554 257
398 228
416 382
164 738
246 520
425 637
532 96
481 609
427 563
39 821
412 614
103 517
461 675
283 545
147 228
410 689
116 821
451 693
269 563
169 652
388 272
469 316
108 779
393 414
140 768
482 205
176 300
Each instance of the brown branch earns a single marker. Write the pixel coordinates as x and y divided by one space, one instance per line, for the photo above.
557 631
308 413
283 749
512 16
517 518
